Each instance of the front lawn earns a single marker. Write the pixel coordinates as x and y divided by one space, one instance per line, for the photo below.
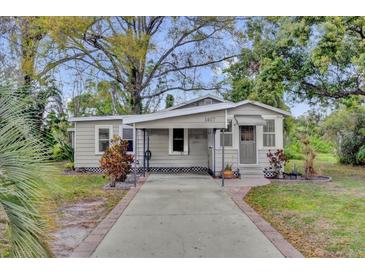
320 220
72 205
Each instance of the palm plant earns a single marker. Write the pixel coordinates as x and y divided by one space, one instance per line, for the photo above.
21 157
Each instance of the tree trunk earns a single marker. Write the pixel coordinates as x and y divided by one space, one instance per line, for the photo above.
136 103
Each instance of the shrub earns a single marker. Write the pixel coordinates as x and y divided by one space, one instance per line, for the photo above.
277 159
70 166
350 146
294 150
62 151
360 156
115 162
319 145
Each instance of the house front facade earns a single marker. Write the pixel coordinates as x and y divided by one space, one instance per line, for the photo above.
189 137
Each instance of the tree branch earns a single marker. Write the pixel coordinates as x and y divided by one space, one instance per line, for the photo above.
196 65
178 88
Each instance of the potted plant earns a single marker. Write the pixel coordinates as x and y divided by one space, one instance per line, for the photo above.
228 173
277 162
270 173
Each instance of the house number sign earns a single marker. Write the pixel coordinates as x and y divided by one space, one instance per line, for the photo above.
209 119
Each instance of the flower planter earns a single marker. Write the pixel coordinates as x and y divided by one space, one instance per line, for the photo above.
270 174
228 174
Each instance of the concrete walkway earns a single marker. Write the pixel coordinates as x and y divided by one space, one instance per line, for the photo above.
245 180
184 216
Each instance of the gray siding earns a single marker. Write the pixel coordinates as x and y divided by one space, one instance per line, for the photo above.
230 157
85 142
202 120
250 109
201 102
159 147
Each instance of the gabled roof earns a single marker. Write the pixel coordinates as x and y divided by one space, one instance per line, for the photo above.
195 110
278 110
193 101
174 113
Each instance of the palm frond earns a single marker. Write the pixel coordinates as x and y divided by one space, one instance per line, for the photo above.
21 161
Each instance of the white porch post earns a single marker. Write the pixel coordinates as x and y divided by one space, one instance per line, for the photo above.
214 133
144 152
135 154
222 174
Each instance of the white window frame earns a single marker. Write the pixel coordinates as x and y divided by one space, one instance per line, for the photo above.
97 127
271 132
225 133
186 143
121 136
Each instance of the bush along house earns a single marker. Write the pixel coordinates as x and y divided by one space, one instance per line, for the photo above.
199 136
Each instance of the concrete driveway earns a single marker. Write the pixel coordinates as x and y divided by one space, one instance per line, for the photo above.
184 216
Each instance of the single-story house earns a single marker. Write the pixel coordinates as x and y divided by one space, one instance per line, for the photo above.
188 137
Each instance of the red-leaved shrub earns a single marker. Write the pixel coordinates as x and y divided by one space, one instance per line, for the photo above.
116 162
277 159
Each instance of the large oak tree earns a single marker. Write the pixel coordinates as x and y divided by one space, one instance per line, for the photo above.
149 56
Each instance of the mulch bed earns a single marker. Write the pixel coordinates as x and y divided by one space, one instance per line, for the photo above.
314 179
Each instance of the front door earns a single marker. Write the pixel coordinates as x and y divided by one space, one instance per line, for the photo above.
247 141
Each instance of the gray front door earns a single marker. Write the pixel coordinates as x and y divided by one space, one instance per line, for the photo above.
247 141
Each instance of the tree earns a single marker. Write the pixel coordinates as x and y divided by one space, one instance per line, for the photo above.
315 58
252 76
98 99
21 156
149 56
169 101
34 60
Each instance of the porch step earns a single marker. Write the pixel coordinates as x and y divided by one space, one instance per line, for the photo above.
254 170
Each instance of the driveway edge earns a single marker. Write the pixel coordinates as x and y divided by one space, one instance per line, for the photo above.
285 248
87 247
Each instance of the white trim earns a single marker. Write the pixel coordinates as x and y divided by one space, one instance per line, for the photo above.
97 118
186 143
194 110
75 133
225 133
271 132
174 113
97 127
121 135
245 102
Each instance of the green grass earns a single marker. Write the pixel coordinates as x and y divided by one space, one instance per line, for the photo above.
321 220
62 189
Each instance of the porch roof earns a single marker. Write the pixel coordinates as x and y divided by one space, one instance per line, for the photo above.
250 120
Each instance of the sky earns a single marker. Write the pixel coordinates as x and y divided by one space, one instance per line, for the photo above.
299 109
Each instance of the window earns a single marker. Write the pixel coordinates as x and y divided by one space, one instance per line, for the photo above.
227 136
269 133
103 136
127 134
178 141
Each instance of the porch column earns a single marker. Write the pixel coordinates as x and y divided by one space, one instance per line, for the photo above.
135 154
222 131
148 148
144 152
214 132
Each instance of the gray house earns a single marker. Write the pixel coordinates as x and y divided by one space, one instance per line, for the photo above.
189 137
